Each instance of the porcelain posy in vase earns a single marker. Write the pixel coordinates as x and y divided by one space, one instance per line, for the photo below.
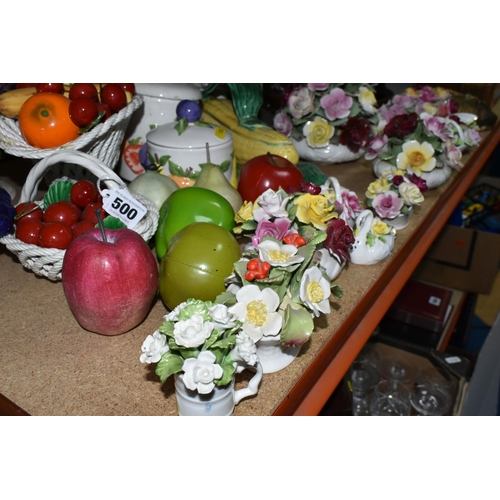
202 345
393 198
328 122
421 133
285 277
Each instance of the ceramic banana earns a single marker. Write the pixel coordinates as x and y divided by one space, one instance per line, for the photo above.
12 100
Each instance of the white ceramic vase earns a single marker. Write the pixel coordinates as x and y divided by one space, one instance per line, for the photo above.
220 402
273 356
333 153
434 178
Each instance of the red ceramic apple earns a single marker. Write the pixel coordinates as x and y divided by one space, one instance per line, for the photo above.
265 172
109 285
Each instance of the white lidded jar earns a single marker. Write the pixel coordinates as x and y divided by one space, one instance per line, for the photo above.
160 103
182 154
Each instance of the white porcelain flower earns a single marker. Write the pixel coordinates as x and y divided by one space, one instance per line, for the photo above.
410 193
278 255
270 204
192 332
173 315
257 309
315 291
200 372
154 347
222 318
246 350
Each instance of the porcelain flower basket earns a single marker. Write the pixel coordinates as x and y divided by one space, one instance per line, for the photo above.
333 153
434 178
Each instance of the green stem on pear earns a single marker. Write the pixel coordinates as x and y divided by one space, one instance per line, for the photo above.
208 152
101 224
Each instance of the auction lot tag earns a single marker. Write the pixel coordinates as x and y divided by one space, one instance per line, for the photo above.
121 204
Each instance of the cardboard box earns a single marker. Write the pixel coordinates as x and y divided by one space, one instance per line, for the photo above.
462 258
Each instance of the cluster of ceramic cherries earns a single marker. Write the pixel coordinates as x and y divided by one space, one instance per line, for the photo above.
62 221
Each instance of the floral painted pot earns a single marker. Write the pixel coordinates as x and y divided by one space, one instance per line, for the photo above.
218 403
434 178
333 153
273 356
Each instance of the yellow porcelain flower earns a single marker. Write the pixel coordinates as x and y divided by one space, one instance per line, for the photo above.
318 132
416 158
442 93
244 213
367 99
430 108
411 91
380 228
314 209
377 187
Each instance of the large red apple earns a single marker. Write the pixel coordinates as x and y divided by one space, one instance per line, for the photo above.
265 172
109 285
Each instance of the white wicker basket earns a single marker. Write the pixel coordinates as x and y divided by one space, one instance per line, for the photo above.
47 262
104 141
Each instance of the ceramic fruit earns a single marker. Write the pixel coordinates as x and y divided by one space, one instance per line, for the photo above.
186 206
265 172
211 177
198 260
154 186
109 285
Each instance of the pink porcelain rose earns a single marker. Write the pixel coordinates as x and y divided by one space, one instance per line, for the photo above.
387 205
336 104
277 230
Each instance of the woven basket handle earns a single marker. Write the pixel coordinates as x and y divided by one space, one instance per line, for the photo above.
85 160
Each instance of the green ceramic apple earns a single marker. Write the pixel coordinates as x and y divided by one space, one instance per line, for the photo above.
199 258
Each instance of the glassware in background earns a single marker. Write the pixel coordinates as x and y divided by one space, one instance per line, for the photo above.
431 394
390 398
399 369
363 376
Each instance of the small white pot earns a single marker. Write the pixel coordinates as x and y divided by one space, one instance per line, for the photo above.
218 403
188 150
400 221
160 106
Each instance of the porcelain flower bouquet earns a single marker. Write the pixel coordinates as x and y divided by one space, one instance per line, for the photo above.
297 246
394 196
201 340
329 121
420 131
